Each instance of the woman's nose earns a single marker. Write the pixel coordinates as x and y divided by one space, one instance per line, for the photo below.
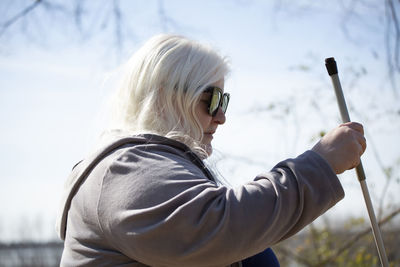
220 116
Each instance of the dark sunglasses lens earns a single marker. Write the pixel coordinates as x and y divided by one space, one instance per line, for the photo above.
214 102
225 102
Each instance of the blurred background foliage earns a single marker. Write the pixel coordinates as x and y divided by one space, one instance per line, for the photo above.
49 25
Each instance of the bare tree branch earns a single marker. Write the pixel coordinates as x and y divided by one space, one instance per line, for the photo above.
393 17
165 20
392 50
7 24
118 22
357 237
78 12
291 255
328 261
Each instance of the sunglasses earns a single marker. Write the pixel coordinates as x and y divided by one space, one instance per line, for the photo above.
217 99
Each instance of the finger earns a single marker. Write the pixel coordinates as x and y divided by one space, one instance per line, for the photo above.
355 126
362 141
360 149
356 162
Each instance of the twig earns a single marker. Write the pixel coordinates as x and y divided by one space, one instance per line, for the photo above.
117 20
397 33
294 256
21 14
353 240
392 60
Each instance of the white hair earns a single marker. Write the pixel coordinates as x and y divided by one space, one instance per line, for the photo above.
162 84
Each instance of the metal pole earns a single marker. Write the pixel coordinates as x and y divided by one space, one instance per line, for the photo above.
331 66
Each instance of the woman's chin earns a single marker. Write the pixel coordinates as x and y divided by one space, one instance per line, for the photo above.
206 143
207 148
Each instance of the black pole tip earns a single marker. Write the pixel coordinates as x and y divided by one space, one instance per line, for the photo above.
331 66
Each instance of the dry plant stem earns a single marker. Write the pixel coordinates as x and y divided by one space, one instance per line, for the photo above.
357 237
294 256
315 242
336 253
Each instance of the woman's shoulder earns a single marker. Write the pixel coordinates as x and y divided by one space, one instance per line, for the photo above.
150 160
149 151
146 174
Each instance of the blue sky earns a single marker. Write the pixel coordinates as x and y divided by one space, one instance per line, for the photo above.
52 95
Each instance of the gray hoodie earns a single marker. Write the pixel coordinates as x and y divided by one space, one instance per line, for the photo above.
149 200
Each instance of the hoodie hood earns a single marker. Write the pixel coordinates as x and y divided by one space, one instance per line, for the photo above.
82 169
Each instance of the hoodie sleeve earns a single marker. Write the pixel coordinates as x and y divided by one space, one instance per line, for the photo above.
169 214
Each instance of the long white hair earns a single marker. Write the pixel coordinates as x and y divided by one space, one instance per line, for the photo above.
161 86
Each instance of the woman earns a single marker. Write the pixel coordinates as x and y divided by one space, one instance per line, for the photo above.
147 199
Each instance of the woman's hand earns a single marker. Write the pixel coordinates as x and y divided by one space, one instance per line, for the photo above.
343 146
